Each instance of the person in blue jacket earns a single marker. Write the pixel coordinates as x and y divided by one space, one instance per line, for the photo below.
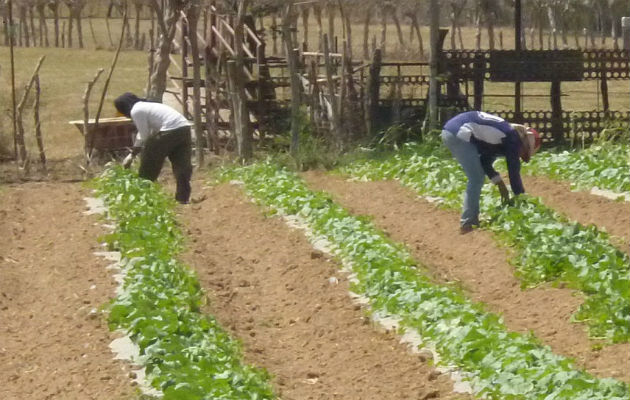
476 139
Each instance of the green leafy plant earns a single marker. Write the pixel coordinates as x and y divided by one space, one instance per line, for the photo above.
549 247
502 364
604 165
187 354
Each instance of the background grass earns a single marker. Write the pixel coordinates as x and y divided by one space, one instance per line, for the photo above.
65 73
64 76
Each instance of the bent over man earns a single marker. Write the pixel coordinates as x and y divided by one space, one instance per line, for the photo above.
476 139
162 132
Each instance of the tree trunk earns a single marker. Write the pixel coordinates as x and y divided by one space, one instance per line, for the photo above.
24 39
31 18
136 33
401 39
416 26
168 29
490 25
317 10
366 33
305 16
78 15
383 45
43 27
54 6
478 34
331 26
70 24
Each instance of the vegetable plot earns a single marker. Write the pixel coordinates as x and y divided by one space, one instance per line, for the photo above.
187 354
605 166
502 364
549 247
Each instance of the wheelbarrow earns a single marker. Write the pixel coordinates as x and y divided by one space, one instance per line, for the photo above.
112 135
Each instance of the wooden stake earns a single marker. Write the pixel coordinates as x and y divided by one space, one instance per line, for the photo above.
335 120
87 134
106 86
293 78
38 127
23 162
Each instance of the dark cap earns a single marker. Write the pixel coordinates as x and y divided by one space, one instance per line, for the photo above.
125 102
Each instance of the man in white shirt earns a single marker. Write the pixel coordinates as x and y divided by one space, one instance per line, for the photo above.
162 132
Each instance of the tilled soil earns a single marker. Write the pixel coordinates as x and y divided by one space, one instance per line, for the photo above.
481 267
269 288
609 215
290 306
51 345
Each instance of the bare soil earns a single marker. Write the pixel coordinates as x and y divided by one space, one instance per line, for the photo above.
480 266
273 291
51 345
609 215
266 285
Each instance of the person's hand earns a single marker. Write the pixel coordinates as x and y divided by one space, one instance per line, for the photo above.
126 163
505 195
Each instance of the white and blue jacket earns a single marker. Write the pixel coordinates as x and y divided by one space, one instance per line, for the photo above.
493 137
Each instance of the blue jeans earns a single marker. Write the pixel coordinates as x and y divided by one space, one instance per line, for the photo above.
468 157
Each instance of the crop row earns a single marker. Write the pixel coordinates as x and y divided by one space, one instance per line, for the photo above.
549 248
604 166
502 364
186 354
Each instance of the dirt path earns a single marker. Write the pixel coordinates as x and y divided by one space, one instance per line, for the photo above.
583 207
272 291
51 347
479 264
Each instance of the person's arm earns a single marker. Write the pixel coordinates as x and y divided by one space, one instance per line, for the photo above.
486 163
514 171
495 177
142 125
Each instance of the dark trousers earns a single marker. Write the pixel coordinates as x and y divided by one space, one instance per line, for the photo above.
175 144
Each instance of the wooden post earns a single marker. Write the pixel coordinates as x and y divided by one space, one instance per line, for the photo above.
262 75
556 112
239 97
625 30
434 90
396 99
151 61
211 103
478 83
184 49
603 83
193 21
314 95
239 108
90 143
23 162
292 62
11 31
518 45
38 125
334 106
373 94
87 134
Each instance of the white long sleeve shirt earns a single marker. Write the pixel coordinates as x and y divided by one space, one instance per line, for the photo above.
151 118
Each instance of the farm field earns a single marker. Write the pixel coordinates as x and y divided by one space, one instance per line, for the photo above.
281 281
269 288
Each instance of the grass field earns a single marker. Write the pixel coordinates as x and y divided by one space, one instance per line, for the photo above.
64 76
